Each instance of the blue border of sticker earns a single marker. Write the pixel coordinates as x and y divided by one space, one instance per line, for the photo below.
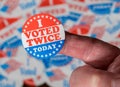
45 50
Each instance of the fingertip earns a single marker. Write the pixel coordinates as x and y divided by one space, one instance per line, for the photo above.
92 51
87 76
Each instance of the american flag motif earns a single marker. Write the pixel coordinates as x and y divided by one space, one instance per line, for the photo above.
2 77
10 66
87 19
55 75
98 32
11 52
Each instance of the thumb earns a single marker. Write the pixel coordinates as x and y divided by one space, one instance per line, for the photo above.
87 76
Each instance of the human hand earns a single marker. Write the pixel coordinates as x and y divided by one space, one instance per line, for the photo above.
102 60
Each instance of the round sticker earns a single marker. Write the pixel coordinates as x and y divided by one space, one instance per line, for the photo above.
43 36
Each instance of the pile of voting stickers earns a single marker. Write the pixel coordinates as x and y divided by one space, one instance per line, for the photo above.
94 18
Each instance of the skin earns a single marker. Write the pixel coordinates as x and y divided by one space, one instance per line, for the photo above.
102 60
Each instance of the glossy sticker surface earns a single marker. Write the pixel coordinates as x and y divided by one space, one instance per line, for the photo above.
43 36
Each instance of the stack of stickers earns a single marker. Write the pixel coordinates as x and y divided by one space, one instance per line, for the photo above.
38 26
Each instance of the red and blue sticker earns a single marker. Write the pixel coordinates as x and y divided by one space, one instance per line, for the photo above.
43 36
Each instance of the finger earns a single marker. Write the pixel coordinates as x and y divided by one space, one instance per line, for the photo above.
87 76
93 51
115 66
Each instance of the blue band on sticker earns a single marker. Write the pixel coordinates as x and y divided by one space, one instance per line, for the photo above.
45 50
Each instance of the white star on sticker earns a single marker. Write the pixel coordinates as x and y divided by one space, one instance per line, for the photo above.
34 18
34 54
30 51
53 52
46 55
28 23
41 55
50 18
56 49
50 54
24 30
42 16
38 16
38 55
59 45
46 16
27 49
31 20
26 26
61 42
